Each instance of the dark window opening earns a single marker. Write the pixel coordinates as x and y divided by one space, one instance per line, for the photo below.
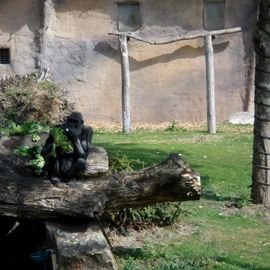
4 56
213 14
128 17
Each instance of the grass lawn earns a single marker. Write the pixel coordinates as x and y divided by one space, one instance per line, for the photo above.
228 232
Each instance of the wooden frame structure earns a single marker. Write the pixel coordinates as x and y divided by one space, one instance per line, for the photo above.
210 71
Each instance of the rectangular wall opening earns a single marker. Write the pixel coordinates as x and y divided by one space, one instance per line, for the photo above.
128 16
214 14
4 56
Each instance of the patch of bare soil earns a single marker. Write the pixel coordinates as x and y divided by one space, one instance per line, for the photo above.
114 126
137 239
161 126
252 210
257 210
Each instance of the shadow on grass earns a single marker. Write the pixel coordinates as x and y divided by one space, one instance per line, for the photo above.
136 253
148 156
242 265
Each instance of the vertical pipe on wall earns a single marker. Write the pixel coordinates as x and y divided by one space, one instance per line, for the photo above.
210 84
125 84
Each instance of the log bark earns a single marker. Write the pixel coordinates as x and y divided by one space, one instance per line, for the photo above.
35 197
260 192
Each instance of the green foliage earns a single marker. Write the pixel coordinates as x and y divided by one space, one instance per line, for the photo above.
27 99
36 161
175 128
32 128
60 140
119 162
37 164
161 214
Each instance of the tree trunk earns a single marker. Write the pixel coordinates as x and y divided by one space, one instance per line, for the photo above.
35 197
123 44
261 151
210 84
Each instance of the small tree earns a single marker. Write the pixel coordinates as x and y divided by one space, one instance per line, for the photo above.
261 149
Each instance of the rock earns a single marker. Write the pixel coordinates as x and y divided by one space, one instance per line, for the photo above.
80 246
97 162
243 118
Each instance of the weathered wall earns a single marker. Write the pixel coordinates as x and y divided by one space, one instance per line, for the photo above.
168 81
20 22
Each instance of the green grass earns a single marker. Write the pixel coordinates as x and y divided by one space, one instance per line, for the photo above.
226 237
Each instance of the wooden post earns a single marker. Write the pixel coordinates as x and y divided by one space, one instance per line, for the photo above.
209 55
210 84
125 84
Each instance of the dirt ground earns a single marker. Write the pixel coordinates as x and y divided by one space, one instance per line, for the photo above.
153 235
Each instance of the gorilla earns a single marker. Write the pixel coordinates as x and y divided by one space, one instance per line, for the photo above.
66 166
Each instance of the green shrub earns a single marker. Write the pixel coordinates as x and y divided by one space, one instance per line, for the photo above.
119 162
160 214
32 128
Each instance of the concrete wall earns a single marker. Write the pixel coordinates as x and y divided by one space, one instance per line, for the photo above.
20 22
168 81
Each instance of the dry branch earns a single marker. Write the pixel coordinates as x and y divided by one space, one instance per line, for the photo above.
199 34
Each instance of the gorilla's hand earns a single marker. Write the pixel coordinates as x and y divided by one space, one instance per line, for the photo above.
72 134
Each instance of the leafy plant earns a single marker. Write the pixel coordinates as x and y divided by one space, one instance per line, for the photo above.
175 128
36 161
119 162
161 214
60 140
37 164
32 128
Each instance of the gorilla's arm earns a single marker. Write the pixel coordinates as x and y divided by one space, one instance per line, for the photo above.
81 143
47 149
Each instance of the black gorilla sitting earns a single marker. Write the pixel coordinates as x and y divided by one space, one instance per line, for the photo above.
63 165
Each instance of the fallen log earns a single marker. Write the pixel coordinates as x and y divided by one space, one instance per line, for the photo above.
72 242
35 197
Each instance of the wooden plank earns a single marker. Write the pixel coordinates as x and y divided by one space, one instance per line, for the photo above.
125 84
210 84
